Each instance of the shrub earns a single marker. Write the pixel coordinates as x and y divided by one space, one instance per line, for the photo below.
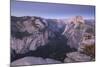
89 50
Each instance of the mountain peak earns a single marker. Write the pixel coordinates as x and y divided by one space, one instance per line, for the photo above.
76 20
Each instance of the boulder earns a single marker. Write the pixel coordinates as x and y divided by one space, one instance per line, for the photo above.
78 57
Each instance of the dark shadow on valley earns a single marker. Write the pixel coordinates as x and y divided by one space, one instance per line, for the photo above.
56 48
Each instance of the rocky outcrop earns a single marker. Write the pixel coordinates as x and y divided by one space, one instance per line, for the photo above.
87 45
33 61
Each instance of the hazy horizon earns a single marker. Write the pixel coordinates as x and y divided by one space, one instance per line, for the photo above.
51 10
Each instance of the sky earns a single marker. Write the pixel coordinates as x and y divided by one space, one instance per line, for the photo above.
51 10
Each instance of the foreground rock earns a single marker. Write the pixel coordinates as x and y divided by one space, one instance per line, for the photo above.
34 61
77 57
68 60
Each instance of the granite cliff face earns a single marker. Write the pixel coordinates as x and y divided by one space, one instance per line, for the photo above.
74 31
28 33
50 38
